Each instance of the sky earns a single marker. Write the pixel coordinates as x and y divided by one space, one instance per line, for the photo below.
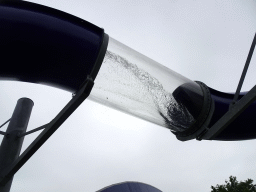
97 146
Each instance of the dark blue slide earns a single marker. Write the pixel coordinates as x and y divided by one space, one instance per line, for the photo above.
61 50
243 127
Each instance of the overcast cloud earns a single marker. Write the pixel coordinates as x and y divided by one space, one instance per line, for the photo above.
98 146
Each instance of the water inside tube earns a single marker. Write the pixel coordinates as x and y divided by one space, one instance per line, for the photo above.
122 85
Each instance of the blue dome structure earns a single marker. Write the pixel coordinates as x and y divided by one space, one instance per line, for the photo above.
129 187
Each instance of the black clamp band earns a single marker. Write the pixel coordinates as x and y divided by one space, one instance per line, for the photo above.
203 120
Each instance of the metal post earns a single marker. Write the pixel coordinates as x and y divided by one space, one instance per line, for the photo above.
246 66
11 143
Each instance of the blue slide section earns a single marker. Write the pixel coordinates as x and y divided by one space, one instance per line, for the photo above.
130 187
44 45
243 127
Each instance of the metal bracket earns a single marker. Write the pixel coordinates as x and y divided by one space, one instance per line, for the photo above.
5 123
2 132
50 128
34 130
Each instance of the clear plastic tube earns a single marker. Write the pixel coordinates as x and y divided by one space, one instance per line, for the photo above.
133 83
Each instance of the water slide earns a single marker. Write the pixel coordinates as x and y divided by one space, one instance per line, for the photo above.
61 50
243 127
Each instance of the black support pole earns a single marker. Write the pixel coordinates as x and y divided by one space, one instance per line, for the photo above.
11 144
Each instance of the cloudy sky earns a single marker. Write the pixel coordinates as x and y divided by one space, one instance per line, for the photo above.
98 146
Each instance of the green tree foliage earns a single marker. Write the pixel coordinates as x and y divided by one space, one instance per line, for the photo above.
234 186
